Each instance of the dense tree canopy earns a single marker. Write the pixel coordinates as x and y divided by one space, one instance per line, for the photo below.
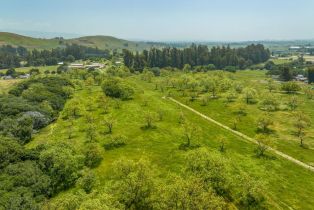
197 55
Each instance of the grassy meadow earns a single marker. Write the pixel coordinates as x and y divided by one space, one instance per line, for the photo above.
282 130
5 85
288 185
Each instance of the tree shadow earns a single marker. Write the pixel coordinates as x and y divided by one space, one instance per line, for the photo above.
145 127
186 147
266 131
264 156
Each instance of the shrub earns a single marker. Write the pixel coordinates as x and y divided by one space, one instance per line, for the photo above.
116 88
62 165
87 181
290 87
115 142
93 156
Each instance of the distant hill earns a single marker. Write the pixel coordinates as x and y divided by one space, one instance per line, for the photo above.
102 42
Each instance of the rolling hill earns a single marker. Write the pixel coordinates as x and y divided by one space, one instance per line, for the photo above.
102 42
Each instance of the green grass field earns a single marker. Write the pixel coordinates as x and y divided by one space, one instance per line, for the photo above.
288 185
5 85
102 42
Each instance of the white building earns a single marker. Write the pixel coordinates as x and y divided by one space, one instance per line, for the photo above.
76 66
95 65
301 78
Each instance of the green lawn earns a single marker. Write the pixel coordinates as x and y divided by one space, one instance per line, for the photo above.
288 184
42 69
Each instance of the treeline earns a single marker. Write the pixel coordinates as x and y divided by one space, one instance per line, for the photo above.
197 55
11 57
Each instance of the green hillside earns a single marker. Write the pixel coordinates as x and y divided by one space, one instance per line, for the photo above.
102 42
28 42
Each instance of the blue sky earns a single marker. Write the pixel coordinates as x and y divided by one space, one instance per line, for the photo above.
163 20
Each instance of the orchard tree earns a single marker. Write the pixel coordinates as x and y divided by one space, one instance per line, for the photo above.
91 132
187 68
193 84
134 183
104 103
147 75
222 144
293 103
205 100
188 192
93 155
149 118
88 181
62 164
263 144
271 86
211 168
212 86
89 81
73 109
235 122
290 87
269 103
231 96
238 87
252 192
249 94
302 122
109 122
264 122
190 133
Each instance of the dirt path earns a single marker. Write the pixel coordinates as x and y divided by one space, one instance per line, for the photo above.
243 136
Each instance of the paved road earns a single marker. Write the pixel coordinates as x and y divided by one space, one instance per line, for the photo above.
304 165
